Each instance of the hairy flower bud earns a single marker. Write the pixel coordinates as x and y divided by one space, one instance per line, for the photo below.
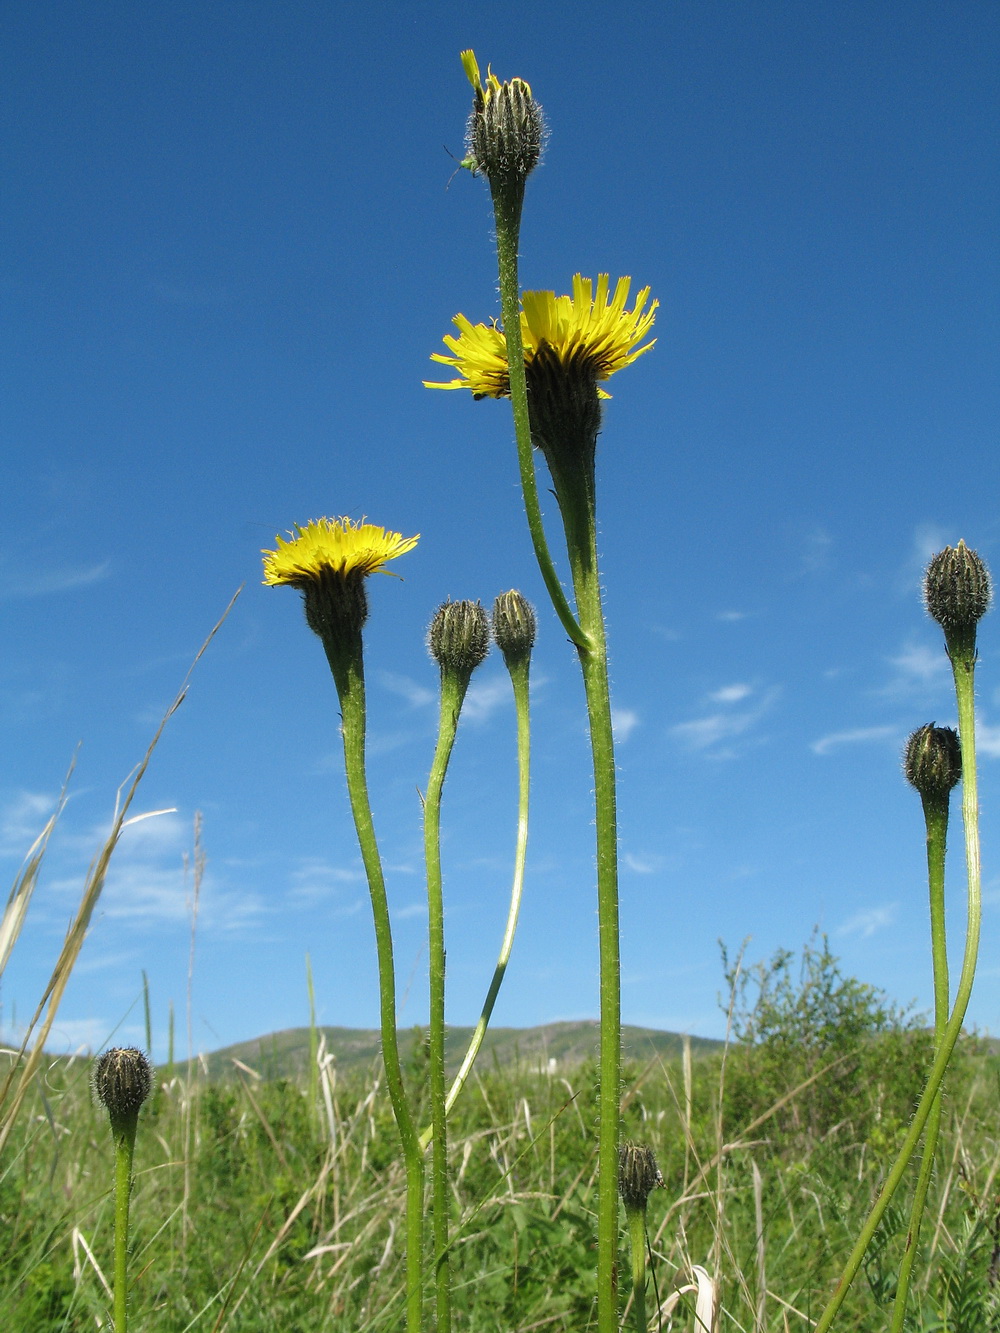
459 637
123 1079
514 627
957 593
638 1175
932 761
505 132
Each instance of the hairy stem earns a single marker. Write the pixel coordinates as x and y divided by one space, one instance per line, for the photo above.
348 673
507 211
453 688
124 1150
963 669
936 821
519 679
637 1242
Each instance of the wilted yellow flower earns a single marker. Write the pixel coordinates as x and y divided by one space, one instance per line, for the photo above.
333 546
594 334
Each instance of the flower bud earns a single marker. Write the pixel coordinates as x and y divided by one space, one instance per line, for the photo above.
638 1175
459 637
123 1079
957 593
932 761
514 627
505 131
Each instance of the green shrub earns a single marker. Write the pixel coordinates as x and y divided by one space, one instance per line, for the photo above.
868 1058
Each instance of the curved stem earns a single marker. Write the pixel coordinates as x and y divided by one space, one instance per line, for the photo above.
963 672
507 211
348 673
936 821
519 679
453 690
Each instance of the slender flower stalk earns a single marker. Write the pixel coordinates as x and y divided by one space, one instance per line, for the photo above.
638 1176
514 628
957 593
548 359
328 560
123 1079
933 766
459 641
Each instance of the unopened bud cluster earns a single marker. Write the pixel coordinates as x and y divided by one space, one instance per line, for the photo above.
459 637
638 1175
932 761
514 627
123 1079
957 592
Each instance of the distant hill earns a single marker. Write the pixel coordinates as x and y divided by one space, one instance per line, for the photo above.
286 1054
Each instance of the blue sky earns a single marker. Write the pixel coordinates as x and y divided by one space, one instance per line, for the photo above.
233 249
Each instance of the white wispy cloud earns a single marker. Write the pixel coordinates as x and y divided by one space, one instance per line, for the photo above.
623 722
724 724
816 548
731 694
148 882
42 582
486 694
22 818
315 880
928 539
73 1035
414 909
732 617
415 694
918 664
641 863
869 921
988 740
857 736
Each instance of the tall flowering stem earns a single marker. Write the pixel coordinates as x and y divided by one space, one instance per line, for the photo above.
932 763
638 1175
514 628
459 641
957 593
123 1079
328 561
577 504
548 360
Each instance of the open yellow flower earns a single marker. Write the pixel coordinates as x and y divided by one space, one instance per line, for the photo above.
590 331
327 546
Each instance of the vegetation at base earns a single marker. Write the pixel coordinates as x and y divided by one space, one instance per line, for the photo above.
265 1204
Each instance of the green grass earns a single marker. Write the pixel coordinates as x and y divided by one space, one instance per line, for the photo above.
258 1209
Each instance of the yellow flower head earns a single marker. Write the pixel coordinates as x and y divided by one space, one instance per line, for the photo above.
333 546
593 332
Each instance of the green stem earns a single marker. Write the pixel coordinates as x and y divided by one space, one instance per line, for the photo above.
963 670
124 1150
348 673
576 502
637 1241
936 821
507 212
453 688
519 679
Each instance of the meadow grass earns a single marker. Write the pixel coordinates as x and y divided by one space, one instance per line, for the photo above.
265 1204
